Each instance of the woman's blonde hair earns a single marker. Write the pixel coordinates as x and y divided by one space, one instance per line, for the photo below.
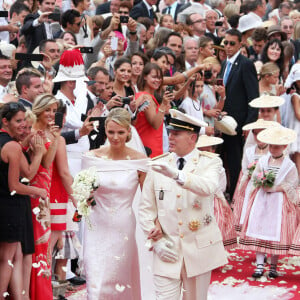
42 102
297 31
122 117
30 116
230 10
211 60
268 68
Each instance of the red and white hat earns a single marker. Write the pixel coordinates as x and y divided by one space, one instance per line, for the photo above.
71 66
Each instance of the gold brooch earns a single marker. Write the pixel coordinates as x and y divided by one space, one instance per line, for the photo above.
194 225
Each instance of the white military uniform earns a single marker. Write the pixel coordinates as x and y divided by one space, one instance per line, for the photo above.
186 215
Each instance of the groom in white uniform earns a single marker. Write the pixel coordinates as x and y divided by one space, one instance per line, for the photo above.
179 192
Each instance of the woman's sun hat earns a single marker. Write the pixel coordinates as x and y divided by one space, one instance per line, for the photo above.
277 136
261 124
227 125
206 141
266 101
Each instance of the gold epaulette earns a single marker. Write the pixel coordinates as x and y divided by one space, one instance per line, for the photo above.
160 156
209 154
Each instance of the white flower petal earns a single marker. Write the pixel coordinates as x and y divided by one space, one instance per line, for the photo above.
120 288
5 294
36 210
10 263
13 193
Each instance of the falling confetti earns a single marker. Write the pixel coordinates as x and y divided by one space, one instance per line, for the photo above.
120 288
13 193
36 210
5 294
36 265
10 263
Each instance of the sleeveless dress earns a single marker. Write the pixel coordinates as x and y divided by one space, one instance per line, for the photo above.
15 217
58 202
110 251
151 138
271 218
294 124
40 286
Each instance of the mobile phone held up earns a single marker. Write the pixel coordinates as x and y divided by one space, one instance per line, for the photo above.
219 81
170 88
86 50
58 119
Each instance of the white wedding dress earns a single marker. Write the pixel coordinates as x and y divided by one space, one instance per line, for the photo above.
110 252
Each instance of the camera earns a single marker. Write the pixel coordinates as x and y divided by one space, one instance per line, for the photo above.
125 100
219 23
124 19
207 74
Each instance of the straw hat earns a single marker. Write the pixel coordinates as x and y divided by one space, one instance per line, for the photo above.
219 47
277 136
248 22
182 121
260 124
226 125
206 141
293 76
71 66
265 101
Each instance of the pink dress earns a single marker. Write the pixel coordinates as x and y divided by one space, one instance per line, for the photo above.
40 282
224 215
271 218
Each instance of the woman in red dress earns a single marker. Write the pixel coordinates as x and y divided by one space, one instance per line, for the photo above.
149 123
44 107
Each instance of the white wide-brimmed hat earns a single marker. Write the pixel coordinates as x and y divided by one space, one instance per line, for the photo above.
266 101
248 22
293 76
261 124
71 66
226 125
277 136
206 141
182 121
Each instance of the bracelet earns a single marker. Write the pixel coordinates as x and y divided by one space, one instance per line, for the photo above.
185 75
161 110
132 32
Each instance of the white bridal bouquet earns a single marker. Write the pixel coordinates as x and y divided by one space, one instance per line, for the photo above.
85 182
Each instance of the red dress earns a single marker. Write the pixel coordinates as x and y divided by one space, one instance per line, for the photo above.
58 202
151 138
40 283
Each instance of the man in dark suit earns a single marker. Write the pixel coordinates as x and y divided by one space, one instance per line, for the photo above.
241 86
143 9
172 8
37 26
108 7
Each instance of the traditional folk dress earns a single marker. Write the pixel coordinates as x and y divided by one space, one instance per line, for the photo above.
224 215
271 218
243 189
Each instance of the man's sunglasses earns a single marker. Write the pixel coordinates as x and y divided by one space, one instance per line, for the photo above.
231 43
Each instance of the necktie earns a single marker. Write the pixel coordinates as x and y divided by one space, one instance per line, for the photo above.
169 10
181 163
226 75
151 13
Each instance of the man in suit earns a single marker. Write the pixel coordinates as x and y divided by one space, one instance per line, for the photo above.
37 26
108 7
29 85
172 8
212 17
179 192
143 9
241 86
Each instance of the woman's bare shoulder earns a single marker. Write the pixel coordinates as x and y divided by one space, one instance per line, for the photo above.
136 154
100 151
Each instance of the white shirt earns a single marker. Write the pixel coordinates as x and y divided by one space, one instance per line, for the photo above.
173 9
36 23
231 60
4 35
3 91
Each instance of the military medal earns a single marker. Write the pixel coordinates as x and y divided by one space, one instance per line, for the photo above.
161 195
194 225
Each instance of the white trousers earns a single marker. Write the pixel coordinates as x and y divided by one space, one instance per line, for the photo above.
193 288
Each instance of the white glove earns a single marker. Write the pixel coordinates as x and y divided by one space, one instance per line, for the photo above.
163 249
164 168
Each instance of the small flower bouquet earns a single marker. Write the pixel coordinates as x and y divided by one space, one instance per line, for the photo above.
251 168
85 183
264 179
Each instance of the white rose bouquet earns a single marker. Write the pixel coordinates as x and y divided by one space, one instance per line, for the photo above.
85 183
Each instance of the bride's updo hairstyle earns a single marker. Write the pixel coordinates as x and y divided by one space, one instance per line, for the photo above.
122 117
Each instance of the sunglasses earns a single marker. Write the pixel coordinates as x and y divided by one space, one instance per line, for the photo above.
231 43
78 24
123 12
288 27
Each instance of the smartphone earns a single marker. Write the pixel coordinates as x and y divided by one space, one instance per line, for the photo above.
125 100
54 17
170 88
114 43
29 56
219 23
58 119
3 14
86 50
101 100
219 81
124 19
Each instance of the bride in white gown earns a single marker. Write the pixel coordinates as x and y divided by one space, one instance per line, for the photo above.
110 251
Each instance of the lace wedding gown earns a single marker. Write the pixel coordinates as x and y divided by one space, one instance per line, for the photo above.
110 250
